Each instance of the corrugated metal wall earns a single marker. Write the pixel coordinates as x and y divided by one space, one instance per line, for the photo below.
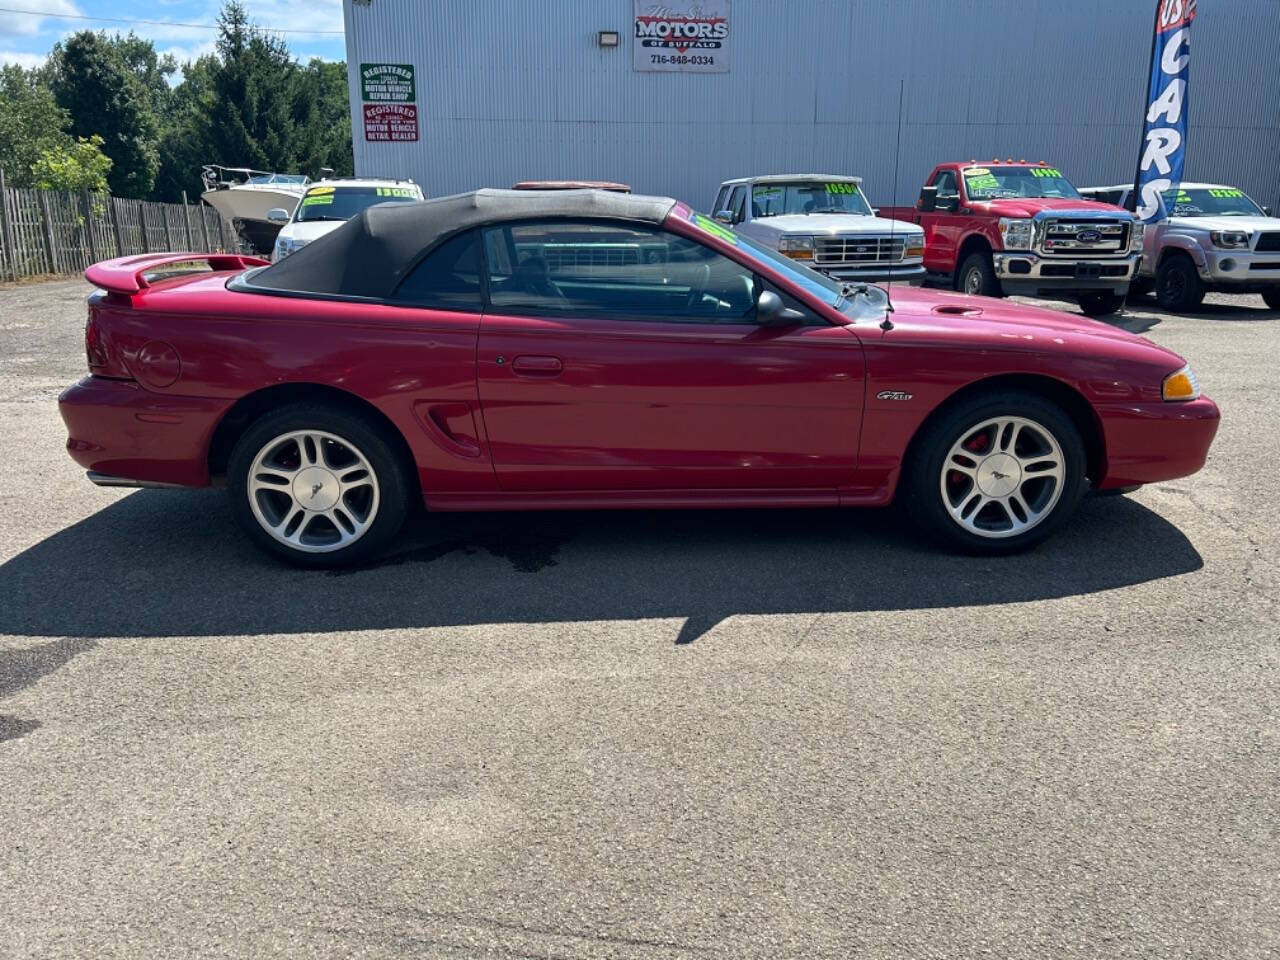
518 89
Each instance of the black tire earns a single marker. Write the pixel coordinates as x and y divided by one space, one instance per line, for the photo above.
923 479
1101 304
1272 298
1178 285
387 506
977 276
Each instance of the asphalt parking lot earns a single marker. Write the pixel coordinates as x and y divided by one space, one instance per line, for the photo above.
659 735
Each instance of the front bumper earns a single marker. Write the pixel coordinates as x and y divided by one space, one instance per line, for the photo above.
1245 270
124 433
1151 442
912 274
1031 274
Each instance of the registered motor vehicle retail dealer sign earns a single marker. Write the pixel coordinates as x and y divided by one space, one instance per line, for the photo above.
390 121
682 36
387 83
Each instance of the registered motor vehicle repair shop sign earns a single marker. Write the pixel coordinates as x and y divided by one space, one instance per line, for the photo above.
389 95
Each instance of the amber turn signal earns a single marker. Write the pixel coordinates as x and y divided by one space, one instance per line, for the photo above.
1181 385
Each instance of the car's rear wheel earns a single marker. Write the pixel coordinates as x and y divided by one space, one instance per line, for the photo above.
1272 298
318 486
977 276
1178 285
1101 304
996 474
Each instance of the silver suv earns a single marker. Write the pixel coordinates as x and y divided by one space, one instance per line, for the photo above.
1214 238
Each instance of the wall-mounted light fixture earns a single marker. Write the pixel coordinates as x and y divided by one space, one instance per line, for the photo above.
607 38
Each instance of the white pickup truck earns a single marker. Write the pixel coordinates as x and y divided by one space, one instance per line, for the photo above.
1214 238
825 222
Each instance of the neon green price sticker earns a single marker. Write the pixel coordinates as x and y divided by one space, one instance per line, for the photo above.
1046 172
715 229
1225 192
983 181
842 188
395 192
318 200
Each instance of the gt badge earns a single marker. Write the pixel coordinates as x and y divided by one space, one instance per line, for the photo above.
893 395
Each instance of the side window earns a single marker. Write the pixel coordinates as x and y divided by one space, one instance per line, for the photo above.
946 184
448 278
721 199
738 203
618 271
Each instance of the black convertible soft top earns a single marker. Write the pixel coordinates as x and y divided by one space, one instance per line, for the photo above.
373 251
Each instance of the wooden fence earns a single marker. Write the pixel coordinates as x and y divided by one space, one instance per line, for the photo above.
59 231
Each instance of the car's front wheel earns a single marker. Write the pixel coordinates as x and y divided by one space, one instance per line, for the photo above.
996 474
1101 304
1178 285
977 276
317 485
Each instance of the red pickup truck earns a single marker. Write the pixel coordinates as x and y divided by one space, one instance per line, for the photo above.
1004 227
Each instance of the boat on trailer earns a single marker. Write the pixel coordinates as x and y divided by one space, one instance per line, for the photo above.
245 196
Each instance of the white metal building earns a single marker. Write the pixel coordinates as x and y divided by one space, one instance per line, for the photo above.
507 90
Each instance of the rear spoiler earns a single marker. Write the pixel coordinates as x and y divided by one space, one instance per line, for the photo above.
128 274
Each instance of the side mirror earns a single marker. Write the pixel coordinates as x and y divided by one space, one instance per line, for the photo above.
772 312
947 204
724 216
278 215
928 199
1266 211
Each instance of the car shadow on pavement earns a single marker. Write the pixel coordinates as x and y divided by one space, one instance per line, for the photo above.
1143 314
170 563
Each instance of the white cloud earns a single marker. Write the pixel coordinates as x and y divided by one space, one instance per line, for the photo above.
22 58
28 25
296 15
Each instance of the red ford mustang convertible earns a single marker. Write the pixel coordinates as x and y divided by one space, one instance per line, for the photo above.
506 350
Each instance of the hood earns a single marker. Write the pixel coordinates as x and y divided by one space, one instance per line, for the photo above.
1017 326
306 232
1030 206
832 223
1251 224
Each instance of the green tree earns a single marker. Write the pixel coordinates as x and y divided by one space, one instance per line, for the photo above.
93 83
73 166
185 143
324 118
31 122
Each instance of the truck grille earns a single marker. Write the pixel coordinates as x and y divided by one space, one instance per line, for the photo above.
1268 241
1083 238
835 251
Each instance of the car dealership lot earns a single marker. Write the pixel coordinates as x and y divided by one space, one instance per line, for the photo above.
644 735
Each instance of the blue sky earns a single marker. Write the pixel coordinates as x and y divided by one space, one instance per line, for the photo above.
26 39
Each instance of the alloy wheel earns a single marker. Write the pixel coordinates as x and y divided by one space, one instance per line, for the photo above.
313 491
1002 477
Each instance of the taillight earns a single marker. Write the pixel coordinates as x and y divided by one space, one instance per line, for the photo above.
95 350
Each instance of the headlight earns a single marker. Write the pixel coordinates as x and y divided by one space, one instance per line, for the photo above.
797 248
284 247
1016 234
1181 385
915 246
1136 233
1229 239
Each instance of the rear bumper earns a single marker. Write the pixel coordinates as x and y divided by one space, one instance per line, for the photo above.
1150 442
1030 274
129 436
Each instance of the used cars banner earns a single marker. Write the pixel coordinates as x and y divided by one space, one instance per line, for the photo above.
1164 140
682 36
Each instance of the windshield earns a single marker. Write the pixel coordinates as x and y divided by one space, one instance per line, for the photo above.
776 199
1210 202
820 285
997 183
343 203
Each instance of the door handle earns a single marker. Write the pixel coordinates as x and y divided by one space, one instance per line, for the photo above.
534 366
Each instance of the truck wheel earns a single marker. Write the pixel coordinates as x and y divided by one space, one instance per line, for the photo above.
1272 298
317 485
996 474
1101 304
978 277
1178 286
